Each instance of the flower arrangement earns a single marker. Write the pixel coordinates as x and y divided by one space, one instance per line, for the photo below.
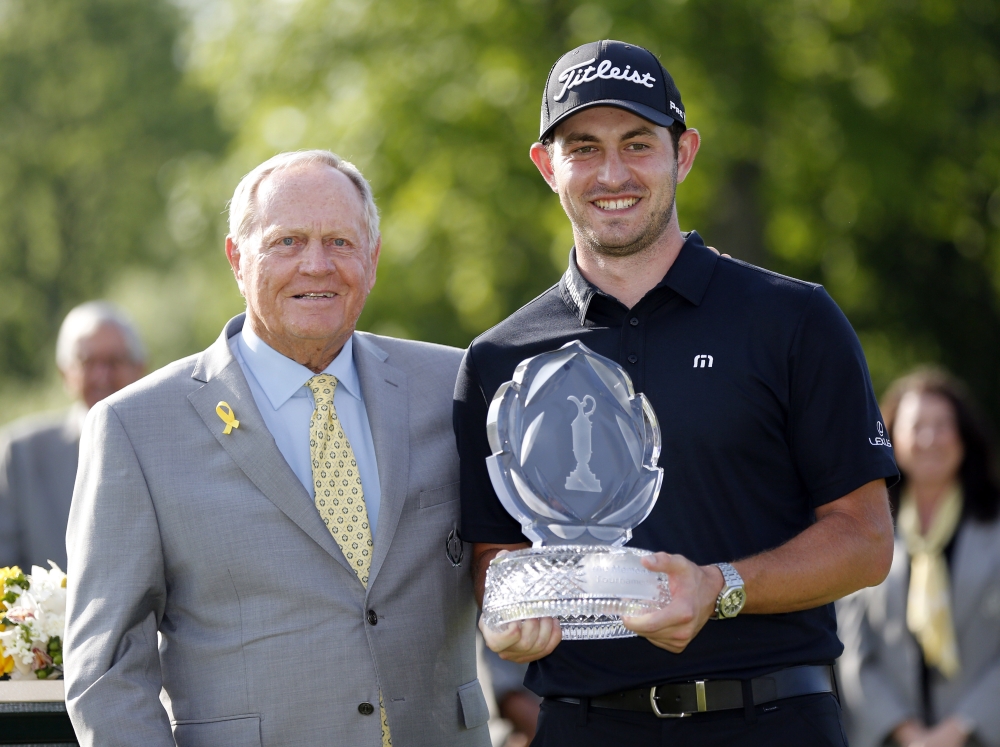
32 617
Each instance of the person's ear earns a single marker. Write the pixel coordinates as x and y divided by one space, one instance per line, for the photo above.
233 255
376 253
540 157
687 149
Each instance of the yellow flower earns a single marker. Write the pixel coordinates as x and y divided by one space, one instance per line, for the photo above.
8 573
6 662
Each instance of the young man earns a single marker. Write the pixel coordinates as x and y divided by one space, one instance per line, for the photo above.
774 483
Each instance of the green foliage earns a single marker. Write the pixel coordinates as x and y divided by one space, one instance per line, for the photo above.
91 108
851 143
855 144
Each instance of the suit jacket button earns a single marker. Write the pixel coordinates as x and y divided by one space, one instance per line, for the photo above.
372 617
366 709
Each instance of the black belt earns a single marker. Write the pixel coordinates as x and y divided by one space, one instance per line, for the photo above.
687 698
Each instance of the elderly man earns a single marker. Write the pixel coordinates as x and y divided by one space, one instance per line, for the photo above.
773 501
263 541
98 352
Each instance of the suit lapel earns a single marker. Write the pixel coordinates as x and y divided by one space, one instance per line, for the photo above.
251 445
384 388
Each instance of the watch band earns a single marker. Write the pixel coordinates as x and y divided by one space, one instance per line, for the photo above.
731 576
731 580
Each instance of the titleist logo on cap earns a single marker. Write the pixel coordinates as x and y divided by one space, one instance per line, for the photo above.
618 77
573 76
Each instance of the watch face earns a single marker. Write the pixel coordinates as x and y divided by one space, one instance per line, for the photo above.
732 602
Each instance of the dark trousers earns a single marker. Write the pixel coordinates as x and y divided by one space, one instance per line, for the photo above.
806 721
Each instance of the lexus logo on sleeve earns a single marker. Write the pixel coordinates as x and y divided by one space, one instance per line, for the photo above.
881 439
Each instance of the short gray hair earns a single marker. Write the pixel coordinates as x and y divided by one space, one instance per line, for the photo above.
86 319
243 206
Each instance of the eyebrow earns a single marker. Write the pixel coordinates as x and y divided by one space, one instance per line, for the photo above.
584 137
277 231
638 132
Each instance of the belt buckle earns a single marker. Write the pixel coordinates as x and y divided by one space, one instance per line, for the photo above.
699 691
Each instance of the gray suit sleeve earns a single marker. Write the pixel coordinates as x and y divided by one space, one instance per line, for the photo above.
116 595
10 540
871 699
980 706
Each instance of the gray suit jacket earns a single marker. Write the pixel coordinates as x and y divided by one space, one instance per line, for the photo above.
38 457
198 564
880 668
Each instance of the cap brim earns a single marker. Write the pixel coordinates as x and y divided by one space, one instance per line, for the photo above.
646 112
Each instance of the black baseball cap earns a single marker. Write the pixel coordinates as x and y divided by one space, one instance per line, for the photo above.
610 73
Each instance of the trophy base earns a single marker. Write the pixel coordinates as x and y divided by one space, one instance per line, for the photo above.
586 587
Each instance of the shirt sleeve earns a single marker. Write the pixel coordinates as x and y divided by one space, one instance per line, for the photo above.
837 436
484 518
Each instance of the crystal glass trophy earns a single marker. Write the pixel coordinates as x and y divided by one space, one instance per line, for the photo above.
574 461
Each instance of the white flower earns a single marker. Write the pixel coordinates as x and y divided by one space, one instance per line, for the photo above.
37 615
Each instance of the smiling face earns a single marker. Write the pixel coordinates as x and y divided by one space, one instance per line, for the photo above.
926 440
616 174
308 267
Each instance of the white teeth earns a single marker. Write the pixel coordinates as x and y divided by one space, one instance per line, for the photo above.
316 295
616 204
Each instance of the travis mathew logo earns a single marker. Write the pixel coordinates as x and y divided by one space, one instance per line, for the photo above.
573 76
881 439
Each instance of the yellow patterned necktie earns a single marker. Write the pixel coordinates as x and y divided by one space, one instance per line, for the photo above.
340 499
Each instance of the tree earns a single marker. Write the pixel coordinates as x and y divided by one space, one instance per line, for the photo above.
850 143
92 107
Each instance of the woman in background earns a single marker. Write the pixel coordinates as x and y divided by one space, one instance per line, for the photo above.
922 661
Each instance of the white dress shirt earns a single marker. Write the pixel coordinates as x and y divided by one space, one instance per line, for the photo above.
280 388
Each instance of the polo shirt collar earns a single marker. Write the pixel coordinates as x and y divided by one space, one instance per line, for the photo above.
688 276
281 378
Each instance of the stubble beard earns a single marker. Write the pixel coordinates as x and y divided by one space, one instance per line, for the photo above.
648 234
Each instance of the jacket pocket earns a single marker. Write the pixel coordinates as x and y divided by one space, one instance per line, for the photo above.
226 731
475 712
437 496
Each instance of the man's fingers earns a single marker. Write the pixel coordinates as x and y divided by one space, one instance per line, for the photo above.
647 623
524 640
675 616
498 639
530 633
663 562
539 636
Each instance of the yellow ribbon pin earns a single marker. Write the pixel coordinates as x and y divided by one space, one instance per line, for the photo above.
224 411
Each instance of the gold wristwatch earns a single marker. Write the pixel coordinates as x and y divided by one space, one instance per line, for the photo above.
733 596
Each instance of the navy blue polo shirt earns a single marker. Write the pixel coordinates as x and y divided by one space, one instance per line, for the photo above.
767 411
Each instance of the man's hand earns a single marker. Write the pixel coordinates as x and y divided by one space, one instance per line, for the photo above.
693 591
524 640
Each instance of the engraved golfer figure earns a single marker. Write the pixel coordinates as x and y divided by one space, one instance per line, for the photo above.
582 478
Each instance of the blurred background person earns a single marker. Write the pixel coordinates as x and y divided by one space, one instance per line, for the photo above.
922 651
98 352
515 718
